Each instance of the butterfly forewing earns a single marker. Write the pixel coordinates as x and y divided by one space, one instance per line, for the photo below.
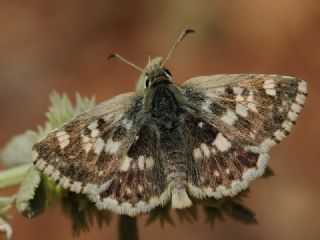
234 121
86 152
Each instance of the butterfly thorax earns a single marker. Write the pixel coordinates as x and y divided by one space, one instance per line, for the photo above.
165 106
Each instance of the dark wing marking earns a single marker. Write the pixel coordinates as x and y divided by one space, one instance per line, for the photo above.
235 120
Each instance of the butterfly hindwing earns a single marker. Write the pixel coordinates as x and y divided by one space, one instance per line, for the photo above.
140 184
218 166
234 121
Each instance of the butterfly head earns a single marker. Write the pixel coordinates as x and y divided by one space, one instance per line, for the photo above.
157 74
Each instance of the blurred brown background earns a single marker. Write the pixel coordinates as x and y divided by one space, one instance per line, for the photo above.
46 45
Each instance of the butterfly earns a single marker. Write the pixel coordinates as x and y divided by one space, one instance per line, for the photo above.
208 137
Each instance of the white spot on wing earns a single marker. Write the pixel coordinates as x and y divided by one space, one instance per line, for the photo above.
296 107
268 84
229 117
141 162
41 164
149 162
302 86
197 154
65 182
76 187
287 125
239 98
98 146
112 146
271 92
56 175
125 163
252 107
128 190
237 90
92 126
205 149
61 133
64 143
221 143
292 116
87 147
300 98
90 188
279 135
63 139
95 133
49 170
267 144
241 110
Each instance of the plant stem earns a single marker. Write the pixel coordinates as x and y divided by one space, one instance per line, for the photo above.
127 228
14 175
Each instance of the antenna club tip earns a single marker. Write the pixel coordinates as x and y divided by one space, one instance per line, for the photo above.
112 56
189 30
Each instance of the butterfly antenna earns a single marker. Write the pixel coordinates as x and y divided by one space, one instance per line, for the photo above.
183 34
149 61
122 59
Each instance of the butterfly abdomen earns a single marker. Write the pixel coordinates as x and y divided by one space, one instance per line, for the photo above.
173 148
167 114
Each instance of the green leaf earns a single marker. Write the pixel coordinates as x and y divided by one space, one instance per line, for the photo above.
61 110
239 212
31 196
212 215
83 213
18 150
161 213
189 214
13 176
6 204
5 228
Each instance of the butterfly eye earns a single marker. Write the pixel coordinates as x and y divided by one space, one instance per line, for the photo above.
147 82
167 72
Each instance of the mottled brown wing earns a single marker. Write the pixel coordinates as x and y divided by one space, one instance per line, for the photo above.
103 153
233 122
140 185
